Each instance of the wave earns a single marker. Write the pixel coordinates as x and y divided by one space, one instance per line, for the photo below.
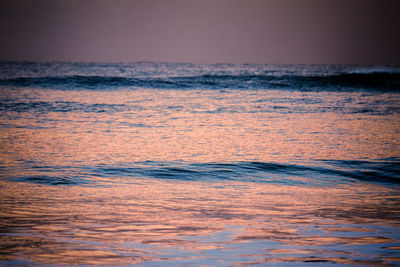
44 107
337 171
61 106
376 81
323 173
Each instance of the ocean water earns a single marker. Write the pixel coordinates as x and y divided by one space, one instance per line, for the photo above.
162 164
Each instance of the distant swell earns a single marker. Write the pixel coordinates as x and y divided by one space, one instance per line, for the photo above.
60 106
378 81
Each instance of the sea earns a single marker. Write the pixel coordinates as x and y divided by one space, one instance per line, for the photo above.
175 164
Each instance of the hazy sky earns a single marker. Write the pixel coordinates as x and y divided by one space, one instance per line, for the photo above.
202 31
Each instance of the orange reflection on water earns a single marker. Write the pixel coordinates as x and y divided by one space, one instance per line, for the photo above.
127 220
137 222
194 126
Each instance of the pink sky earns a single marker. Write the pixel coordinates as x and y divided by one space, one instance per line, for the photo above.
206 31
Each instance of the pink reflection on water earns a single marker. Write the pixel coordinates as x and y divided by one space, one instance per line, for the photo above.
127 220
137 222
195 126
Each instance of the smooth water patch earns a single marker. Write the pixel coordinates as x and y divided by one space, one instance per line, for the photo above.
157 222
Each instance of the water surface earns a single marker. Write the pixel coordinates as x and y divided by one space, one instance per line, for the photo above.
183 164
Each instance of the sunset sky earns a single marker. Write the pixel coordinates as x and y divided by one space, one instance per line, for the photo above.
201 31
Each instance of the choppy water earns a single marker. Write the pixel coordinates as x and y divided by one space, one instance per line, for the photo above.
183 164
